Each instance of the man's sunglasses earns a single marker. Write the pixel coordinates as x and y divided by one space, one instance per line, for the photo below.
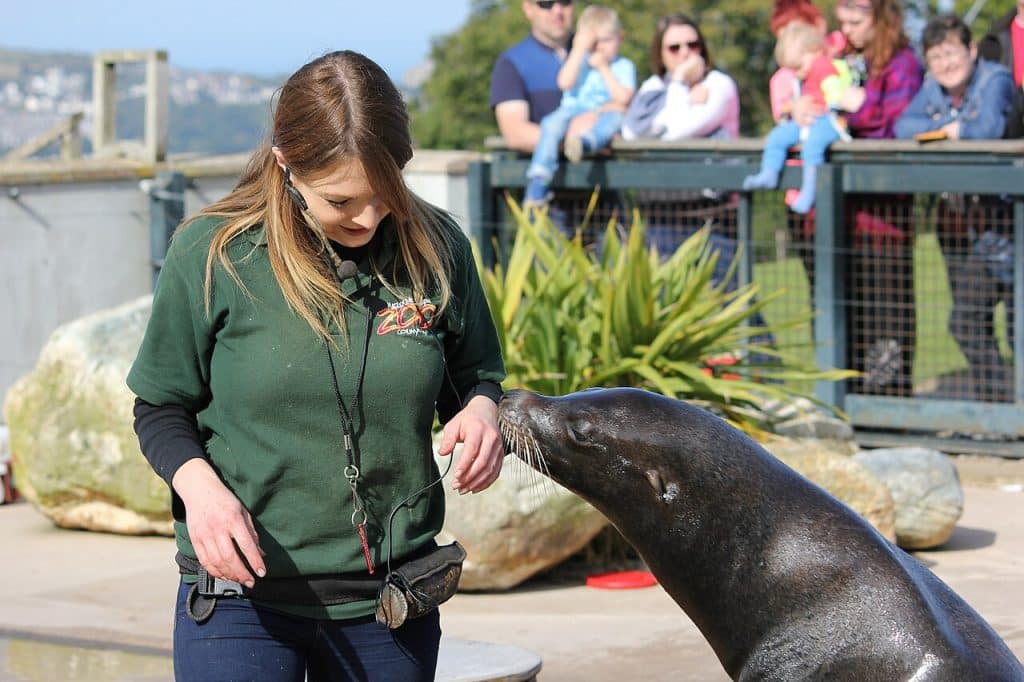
548 4
675 47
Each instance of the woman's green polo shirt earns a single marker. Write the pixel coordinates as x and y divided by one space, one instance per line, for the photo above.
259 380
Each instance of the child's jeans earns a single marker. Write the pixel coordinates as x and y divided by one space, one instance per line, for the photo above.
820 135
553 128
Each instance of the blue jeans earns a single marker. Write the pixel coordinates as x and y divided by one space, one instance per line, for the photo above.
820 136
242 641
553 128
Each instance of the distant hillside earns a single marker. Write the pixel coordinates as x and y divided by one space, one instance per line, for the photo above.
204 127
210 112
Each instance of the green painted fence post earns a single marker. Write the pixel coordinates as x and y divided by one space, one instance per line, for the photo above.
166 211
830 332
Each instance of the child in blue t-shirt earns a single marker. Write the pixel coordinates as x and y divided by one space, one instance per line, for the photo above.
594 78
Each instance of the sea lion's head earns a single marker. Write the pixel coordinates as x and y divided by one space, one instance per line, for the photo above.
595 441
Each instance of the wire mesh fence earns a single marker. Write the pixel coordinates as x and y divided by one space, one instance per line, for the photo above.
928 304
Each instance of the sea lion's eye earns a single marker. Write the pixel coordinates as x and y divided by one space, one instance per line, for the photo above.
577 434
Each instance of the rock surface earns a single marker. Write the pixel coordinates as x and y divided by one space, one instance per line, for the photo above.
926 489
520 526
800 418
74 452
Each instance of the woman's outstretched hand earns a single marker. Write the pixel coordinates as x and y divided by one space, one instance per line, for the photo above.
476 427
220 528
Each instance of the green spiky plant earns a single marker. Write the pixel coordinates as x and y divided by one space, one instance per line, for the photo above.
571 317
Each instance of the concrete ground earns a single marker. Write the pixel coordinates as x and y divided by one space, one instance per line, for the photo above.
59 587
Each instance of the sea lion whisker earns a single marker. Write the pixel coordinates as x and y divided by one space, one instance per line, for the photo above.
541 469
523 472
527 452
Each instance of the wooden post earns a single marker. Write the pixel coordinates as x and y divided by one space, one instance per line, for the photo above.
153 148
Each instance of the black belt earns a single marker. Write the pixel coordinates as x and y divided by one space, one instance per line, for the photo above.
315 590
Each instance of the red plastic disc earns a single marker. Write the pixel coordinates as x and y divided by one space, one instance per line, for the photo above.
622 580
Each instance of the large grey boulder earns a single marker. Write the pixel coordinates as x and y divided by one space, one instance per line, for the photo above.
800 418
926 489
842 476
74 453
520 526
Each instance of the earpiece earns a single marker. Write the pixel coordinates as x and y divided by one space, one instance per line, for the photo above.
343 269
293 190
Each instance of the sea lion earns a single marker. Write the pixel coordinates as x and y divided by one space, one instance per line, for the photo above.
783 580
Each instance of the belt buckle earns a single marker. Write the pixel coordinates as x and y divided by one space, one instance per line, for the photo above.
210 586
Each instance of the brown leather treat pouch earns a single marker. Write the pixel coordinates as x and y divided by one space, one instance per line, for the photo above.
420 586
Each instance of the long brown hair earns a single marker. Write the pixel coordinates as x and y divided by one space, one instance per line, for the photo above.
889 38
339 108
664 23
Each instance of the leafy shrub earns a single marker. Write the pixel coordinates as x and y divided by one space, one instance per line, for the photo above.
572 317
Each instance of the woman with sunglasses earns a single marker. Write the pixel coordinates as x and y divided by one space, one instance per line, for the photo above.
685 97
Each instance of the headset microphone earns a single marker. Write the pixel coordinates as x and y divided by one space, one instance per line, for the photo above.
293 190
297 196
346 269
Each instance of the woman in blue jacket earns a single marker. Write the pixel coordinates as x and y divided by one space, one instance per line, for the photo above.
967 98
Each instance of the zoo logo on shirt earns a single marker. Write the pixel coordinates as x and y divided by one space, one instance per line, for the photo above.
407 318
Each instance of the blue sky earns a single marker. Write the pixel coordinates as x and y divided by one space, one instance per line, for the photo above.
258 36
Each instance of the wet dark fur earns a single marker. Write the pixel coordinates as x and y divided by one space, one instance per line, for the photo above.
783 580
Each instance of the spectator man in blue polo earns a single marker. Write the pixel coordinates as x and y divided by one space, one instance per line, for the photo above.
524 83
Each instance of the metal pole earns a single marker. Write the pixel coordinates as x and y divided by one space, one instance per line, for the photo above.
166 211
972 13
1018 299
481 210
830 256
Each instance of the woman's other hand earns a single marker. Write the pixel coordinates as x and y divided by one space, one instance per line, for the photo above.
952 130
476 427
582 124
220 528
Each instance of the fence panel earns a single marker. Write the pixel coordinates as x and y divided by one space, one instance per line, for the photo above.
910 263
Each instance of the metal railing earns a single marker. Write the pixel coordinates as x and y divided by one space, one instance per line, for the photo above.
874 263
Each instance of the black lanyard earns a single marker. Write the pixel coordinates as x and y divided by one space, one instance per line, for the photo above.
348 432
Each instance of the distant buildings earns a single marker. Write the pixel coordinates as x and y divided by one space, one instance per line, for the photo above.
38 90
